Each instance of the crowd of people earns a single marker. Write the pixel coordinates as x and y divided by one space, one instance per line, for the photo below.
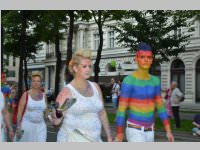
135 99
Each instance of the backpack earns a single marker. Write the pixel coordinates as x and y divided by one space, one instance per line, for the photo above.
15 112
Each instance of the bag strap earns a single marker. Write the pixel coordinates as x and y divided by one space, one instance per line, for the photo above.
25 105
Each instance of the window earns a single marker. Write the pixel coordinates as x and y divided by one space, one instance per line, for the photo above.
11 73
111 39
197 82
96 41
178 73
14 61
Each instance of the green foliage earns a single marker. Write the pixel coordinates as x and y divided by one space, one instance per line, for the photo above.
113 63
158 28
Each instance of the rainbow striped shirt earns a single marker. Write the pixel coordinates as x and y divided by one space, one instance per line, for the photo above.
141 98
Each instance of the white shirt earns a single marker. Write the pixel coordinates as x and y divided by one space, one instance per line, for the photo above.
175 95
115 90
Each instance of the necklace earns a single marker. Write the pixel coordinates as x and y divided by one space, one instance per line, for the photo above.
83 91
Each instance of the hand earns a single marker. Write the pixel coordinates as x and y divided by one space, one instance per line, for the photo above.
118 139
110 139
170 137
11 134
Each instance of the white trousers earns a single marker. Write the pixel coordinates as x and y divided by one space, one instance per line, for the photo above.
135 135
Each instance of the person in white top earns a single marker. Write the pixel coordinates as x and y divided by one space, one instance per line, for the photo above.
32 123
176 94
4 116
115 92
87 115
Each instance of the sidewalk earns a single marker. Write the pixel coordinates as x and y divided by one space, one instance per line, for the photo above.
160 136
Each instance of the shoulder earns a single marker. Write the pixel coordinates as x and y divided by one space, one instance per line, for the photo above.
155 79
128 79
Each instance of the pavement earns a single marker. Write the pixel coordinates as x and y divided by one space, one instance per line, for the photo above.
160 136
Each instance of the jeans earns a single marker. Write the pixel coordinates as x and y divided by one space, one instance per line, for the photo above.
135 135
114 101
175 110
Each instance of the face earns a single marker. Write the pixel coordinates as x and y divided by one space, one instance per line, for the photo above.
144 59
173 85
36 82
84 69
112 81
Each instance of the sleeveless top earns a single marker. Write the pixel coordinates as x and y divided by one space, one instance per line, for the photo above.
1 116
35 110
84 113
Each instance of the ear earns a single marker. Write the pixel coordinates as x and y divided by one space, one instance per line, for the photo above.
75 68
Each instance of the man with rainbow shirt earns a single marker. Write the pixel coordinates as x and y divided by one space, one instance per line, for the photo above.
141 96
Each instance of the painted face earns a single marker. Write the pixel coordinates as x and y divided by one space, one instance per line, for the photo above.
36 82
84 69
144 59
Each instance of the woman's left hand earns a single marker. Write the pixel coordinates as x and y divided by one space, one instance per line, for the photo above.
11 134
110 139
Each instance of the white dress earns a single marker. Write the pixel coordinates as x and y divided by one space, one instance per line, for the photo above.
1 117
82 115
33 124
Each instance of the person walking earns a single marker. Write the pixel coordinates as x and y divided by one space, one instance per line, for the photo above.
87 115
115 93
34 104
141 95
168 102
176 95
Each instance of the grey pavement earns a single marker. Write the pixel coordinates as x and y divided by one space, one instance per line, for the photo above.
159 135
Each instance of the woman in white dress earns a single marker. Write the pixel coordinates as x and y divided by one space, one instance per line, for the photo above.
87 115
33 123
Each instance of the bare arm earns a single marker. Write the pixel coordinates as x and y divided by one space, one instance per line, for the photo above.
46 110
196 124
103 117
6 115
21 106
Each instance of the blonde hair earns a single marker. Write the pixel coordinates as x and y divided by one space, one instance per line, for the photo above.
77 57
36 74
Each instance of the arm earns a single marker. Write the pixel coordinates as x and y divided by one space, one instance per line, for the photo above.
7 121
21 106
121 112
103 117
196 124
46 110
162 112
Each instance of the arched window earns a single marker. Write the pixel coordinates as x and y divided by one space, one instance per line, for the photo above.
197 81
178 73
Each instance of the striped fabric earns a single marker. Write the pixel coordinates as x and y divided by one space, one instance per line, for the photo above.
141 98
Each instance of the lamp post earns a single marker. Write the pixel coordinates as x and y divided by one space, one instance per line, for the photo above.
119 68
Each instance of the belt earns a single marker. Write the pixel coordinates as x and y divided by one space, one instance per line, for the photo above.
139 127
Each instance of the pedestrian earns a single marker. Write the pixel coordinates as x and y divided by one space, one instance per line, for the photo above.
196 123
175 97
5 120
115 92
168 102
34 103
87 114
141 95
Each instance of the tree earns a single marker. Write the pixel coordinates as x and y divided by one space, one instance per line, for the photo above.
100 16
159 28
52 30
19 40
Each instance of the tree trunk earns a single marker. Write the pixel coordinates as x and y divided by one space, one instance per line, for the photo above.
25 74
68 76
2 48
22 57
58 64
98 58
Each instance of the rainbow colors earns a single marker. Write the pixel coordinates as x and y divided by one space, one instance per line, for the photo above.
141 98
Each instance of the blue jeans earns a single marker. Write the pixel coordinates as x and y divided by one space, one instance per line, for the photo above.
194 130
114 101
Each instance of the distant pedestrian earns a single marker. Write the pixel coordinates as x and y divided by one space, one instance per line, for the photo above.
115 92
196 123
175 97
168 102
